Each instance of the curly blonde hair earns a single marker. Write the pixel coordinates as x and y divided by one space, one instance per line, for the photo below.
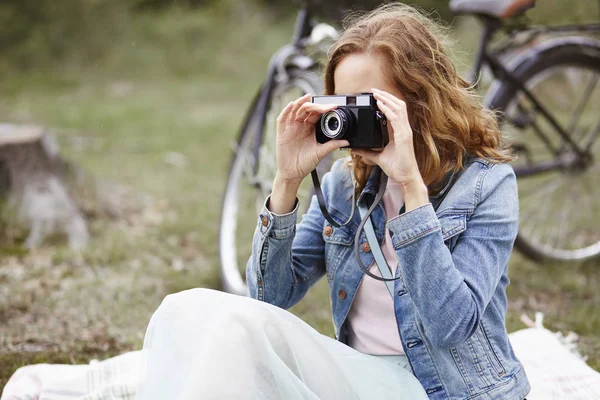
446 115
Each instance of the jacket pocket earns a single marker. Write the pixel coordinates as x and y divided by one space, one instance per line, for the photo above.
477 362
452 226
338 241
493 357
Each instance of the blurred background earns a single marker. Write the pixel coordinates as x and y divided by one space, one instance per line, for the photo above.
140 102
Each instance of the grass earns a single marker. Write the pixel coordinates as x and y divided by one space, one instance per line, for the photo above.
179 84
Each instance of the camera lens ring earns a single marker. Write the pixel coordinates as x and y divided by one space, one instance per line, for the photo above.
329 119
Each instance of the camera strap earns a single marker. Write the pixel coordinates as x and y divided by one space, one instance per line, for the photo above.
376 249
365 221
367 225
319 193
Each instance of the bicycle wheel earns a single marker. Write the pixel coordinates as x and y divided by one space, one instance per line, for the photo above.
559 206
251 175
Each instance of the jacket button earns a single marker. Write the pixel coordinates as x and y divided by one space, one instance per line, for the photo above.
342 294
365 247
328 230
265 220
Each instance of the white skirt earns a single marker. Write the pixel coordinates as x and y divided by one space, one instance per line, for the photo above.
206 344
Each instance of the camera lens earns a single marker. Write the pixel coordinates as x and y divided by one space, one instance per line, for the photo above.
334 124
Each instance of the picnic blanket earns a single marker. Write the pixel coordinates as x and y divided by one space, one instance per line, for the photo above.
555 370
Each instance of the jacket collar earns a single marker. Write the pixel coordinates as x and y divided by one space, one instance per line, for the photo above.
372 186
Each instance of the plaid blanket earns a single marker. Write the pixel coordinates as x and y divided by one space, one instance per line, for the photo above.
112 379
555 371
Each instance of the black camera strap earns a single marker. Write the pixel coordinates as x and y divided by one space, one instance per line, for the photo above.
366 219
367 225
372 239
319 193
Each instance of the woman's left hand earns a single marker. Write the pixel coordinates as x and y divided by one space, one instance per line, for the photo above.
397 159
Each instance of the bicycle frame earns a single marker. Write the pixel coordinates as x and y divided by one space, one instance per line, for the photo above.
485 56
276 69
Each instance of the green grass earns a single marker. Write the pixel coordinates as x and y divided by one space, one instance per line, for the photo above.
179 84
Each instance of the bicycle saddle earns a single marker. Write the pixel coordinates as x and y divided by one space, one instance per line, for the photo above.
491 8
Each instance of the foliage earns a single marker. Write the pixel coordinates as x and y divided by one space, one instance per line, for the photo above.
336 9
36 33
179 81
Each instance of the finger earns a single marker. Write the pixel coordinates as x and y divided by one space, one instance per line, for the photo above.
317 107
311 114
390 100
306 109
369 155
330 146
312 107
316 115
297 104
283 116
313 118
389 113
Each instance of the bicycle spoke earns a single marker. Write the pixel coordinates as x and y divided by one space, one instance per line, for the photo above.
250 180
547 188
560 227
538 231
590 140
538 132
530 187
579 240
540 210
560 206
593 211
587 94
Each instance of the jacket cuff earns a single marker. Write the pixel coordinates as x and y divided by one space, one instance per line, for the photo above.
410 226
277 225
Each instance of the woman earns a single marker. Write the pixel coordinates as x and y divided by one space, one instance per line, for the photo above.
446 228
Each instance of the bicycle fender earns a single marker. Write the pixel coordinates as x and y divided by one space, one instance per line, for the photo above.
530 56
301 61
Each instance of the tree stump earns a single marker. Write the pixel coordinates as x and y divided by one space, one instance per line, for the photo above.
32 187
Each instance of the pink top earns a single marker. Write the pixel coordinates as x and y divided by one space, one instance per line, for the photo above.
372 327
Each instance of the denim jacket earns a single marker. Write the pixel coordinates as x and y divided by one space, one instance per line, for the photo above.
450 300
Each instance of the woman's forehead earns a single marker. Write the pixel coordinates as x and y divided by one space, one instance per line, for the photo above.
360 72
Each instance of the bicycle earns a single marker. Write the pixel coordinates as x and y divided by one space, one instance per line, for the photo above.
292 72
515 92
550 156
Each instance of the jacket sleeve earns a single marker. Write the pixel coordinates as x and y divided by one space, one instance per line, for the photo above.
287 259
452 290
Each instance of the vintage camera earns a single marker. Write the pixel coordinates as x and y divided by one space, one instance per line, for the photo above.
356 119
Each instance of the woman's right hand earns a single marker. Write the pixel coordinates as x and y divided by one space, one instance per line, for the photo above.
298 152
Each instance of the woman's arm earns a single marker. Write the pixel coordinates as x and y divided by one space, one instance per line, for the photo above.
276 273
452 291
287 259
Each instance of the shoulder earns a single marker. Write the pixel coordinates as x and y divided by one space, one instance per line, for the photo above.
493 178
337 186
481 179
339 177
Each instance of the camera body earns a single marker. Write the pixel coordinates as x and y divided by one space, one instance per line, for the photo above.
356 119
